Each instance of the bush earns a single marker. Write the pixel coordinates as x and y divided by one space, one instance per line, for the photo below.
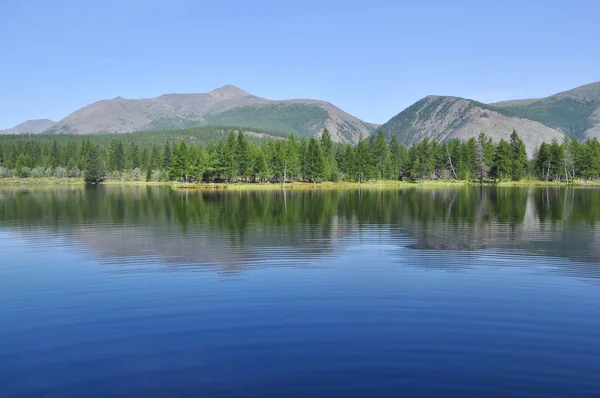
75 173
136 174
113 175
49 172
38 172
60 172
6 173
158 175
24 172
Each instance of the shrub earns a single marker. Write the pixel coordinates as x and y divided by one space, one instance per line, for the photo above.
24 172
158 175
60 172
136 174
38 172
6 173
75 173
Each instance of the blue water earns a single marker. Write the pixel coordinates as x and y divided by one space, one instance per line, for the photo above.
100 306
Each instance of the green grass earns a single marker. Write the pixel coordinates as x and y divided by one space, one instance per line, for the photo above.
383 184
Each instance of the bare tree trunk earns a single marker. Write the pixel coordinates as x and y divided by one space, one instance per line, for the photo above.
450 161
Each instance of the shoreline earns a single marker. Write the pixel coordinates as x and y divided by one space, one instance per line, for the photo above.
382 184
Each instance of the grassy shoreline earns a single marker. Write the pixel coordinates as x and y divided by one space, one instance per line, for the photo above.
49 182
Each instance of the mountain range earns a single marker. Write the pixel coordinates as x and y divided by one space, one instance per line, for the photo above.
574 113
226 106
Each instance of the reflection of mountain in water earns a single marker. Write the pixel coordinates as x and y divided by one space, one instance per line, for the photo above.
227 229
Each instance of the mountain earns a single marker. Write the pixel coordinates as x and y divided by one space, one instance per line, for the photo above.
227 106
30 126
442 118
575 113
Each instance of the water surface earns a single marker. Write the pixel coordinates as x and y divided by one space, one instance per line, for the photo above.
147 291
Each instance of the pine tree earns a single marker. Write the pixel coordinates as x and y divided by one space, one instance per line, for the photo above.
330 169
348 164
148 173
242 157
55 155
363 160
315 166
166 160
179 165
501 168
485 152
293 157
260 168
93 173
154 161
397 154
518 157
381 156
197 163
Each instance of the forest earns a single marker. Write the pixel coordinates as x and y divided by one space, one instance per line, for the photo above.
234 157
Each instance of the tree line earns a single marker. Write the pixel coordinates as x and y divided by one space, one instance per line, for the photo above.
235 158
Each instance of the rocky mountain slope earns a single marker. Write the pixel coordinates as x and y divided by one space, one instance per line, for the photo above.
30 126
443 118
228 105
575 113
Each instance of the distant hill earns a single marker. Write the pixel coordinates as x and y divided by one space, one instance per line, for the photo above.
227 106
30 126
575 113
518 102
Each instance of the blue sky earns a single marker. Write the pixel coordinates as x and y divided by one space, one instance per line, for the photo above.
371 58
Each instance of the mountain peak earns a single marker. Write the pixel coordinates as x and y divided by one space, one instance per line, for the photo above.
228 91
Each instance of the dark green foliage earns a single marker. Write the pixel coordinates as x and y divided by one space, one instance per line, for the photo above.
571 116
315 162
94 172
237 158
502 165
296 118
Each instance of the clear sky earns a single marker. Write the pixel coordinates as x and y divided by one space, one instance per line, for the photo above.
371 58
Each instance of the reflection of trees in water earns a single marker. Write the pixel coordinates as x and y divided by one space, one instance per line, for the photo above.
453 218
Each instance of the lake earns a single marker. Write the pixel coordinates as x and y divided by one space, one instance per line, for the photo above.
148 291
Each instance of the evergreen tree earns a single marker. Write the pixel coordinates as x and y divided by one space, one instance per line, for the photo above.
243 157
363 160
155 160
93 173
315 166
260 168
398 157
293 157
303 155
330 169
116 156
518 157
148 173
197 163
55 157
166 160
485 153
381 156
179 165
502 164
348 164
